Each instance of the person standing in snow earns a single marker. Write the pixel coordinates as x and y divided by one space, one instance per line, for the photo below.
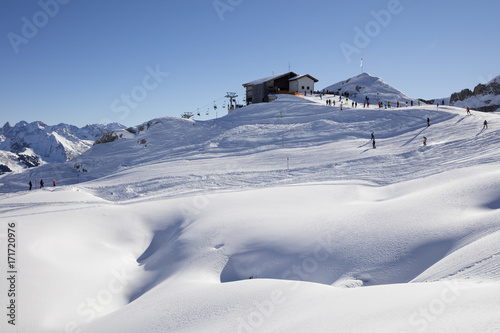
54 183
411 103
425 141
428 122
373 136
30 184
485 124
373 142
41 183
468 111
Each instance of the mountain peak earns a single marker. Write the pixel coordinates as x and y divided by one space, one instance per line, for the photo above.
365 85
495 80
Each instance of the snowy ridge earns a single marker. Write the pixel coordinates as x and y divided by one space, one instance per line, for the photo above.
191 226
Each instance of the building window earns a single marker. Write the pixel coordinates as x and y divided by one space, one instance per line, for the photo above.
302 87
307 88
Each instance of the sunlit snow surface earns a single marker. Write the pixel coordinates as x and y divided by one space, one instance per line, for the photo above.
257 222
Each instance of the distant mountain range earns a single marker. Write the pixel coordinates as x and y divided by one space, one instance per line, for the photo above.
27 145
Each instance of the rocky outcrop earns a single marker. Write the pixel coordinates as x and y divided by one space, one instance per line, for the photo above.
484 97
461 96
106 138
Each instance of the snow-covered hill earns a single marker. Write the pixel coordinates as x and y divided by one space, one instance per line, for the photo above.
365 85
12 162
57 143
279 217
483 98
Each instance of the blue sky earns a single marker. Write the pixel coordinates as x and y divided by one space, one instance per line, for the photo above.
83 62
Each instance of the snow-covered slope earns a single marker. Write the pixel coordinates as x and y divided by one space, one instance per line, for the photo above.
365 85
11 162
57 143
260 223
483 98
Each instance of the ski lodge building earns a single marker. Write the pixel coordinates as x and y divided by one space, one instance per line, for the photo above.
258 91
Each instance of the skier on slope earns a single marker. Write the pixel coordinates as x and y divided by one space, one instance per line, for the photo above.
428 122
485 124
41 183
30 184
468 111
425 141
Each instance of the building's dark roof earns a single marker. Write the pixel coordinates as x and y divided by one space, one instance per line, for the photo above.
267 79
301 76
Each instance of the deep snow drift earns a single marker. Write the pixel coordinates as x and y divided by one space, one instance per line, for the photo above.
200 226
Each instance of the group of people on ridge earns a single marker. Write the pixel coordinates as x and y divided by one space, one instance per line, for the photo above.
41 184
